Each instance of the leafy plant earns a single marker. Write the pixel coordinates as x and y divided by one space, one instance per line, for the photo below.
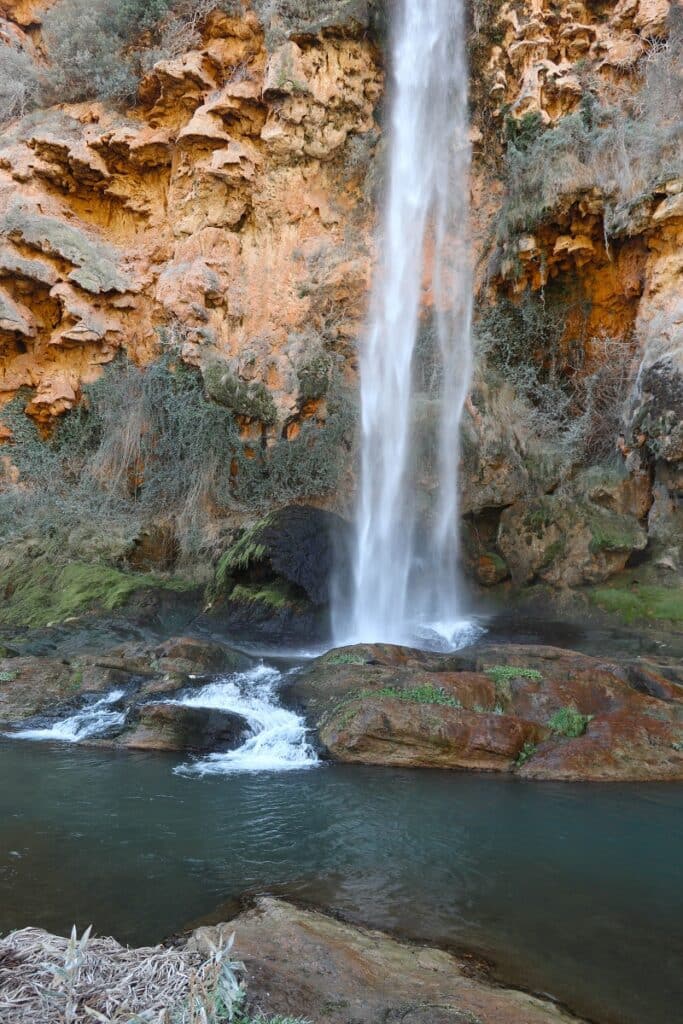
345 658
8 677
428 694
525 754
506 673
569 722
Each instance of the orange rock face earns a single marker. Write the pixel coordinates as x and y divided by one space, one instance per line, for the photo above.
228 202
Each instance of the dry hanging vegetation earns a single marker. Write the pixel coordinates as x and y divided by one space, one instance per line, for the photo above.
621 150
45 979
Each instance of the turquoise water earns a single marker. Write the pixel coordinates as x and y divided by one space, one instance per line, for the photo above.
576 891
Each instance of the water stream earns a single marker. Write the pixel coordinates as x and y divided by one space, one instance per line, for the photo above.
278 740
415 376
95 718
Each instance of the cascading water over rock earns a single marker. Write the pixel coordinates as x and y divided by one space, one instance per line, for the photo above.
412 396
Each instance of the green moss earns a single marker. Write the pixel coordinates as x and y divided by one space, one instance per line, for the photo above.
569 722
76 681
344 658
275 595
46 595
644 602
611 532
8 677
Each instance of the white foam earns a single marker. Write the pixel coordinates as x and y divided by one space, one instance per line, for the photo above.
90 721
278 740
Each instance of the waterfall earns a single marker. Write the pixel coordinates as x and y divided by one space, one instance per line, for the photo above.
415 375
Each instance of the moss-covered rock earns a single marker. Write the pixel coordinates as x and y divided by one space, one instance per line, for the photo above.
251 400
96 264
37 594
296 544
566 542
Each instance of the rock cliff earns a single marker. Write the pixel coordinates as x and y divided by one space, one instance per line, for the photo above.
225 221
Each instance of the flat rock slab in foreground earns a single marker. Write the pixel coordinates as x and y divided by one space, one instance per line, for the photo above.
303 963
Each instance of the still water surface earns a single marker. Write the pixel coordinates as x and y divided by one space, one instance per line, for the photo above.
572 890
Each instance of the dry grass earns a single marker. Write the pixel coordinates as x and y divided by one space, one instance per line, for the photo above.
45 979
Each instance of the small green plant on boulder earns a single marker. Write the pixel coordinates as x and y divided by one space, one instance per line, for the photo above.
416 695
525 754
503 675
8 677
345 658
569 722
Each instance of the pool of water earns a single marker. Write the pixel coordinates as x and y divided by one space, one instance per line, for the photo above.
576 891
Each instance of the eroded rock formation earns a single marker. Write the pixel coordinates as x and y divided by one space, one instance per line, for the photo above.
229 216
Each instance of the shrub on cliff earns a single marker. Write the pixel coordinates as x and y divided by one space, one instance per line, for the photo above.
99 49
147 445
576 407
87 45
620 150
19 85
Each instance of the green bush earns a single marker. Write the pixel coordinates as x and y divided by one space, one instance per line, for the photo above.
249 399
569 722
88 43
99 49
525 342
525 754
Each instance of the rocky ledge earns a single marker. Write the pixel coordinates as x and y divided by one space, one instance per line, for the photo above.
299 962
37 690
539 712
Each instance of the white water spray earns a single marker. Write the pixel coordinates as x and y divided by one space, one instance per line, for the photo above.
92 720
406 572
278 740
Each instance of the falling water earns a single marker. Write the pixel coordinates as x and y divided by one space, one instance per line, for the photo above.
412 396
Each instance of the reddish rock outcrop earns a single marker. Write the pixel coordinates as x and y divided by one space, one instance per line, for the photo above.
543 712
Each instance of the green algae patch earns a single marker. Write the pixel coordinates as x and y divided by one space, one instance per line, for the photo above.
47 594
650 602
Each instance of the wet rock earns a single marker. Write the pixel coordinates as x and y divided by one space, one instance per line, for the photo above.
398 732
542 711
566 543
194 654
299 961
32 686
174 727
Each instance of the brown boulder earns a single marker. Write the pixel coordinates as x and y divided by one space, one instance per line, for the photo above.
174 727
382 730
298 961
498 707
